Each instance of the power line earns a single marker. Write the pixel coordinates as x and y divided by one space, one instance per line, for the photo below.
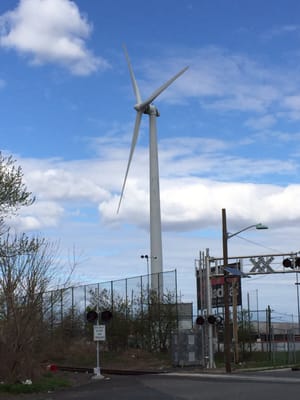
258 244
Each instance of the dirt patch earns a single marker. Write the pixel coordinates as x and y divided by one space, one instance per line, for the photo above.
137 360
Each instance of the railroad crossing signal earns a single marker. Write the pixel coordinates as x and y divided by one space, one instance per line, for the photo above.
106 316
92 316
200 320
291 262
211 319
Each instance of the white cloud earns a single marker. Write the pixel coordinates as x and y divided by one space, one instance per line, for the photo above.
280 31
261 122
41 215
197 180
220 79
213 159
62 183
50 31
292 102
189 204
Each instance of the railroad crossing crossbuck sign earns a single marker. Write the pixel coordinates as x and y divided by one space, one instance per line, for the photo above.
261 265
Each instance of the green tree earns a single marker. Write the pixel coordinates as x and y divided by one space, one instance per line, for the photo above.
13 191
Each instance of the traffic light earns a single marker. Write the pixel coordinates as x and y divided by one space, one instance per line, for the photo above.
106 316
91 316
200 320
297 262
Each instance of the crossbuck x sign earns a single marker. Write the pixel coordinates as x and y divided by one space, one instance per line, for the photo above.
261 265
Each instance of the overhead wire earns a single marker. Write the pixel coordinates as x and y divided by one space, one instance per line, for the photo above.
258 244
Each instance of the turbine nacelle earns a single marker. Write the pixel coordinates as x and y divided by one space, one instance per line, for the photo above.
149 109
140 107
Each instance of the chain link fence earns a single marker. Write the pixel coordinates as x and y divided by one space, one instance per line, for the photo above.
263 336
141 317
276 337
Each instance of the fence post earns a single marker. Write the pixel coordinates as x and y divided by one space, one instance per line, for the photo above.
268 330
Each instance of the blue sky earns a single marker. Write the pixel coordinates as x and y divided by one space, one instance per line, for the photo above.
228 131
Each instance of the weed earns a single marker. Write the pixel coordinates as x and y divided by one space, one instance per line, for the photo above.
48 382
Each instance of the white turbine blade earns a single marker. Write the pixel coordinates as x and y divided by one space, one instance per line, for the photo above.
133 143
133 80
158 91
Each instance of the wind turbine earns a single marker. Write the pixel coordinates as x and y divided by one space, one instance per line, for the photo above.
146 107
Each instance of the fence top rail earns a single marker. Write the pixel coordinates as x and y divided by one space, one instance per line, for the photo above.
110 282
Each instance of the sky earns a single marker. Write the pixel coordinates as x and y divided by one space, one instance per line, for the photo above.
228 131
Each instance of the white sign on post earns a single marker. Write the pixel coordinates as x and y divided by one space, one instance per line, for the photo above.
99 333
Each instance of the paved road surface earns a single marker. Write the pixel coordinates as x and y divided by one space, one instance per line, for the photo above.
283 385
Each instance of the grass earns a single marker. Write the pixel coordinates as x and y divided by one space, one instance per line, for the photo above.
46 383
258 359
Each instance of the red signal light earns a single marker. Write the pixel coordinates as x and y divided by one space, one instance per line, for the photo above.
200 320
106 316
92 316
287 263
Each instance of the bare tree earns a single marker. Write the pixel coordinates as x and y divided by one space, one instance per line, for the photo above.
27 269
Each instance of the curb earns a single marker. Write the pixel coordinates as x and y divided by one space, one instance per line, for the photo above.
109 371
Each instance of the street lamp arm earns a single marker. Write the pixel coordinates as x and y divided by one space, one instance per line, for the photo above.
257 226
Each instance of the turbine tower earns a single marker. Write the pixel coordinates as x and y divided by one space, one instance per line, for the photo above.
146 107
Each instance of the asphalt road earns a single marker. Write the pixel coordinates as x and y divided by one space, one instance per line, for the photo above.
247 386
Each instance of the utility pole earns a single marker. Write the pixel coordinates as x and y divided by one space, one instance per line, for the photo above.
227 335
